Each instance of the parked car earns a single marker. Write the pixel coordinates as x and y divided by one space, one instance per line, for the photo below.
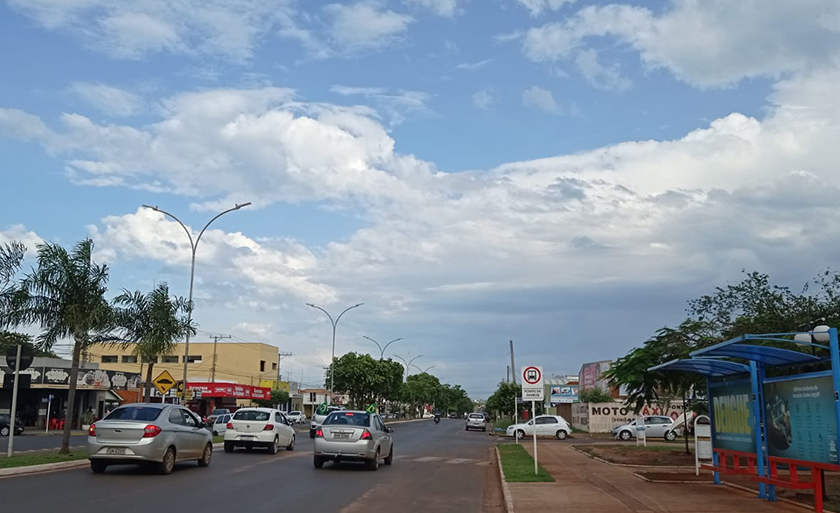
297 417
221 411
259 427
353 436
5 424
319 418
545 425
678 425
219 425
656 426
159 434
476 421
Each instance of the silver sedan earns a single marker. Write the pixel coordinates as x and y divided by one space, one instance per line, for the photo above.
159 434
354 436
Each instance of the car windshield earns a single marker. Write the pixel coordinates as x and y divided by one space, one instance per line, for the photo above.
219 412
254 415
143 413
294 413
348 419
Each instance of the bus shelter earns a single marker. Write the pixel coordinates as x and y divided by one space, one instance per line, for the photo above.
774 409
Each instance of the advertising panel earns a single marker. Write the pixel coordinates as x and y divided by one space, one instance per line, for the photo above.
591 376
563 394
86 378
734 423
603 417
801 422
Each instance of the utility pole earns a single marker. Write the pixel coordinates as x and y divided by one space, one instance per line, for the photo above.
216 339
512 363
507 376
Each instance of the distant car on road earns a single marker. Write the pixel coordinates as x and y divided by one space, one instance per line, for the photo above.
259 427
476 421
297 417
319 418
545 425
656 426
218 425
220 411
159 434
5 424
353 436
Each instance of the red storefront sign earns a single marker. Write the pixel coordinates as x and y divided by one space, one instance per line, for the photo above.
233 390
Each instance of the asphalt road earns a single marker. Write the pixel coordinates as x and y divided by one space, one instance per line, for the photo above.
34 443
436 468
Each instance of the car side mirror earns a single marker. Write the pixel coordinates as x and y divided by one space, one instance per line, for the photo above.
390 429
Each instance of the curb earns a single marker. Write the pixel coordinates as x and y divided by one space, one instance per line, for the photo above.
47 467
626 465
663 481
505 488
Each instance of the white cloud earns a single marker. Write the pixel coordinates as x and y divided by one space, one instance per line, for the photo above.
108 99
19 233
472 66
364 26
537 7
483 99
396 106
732 40
541 99
446 8
603 77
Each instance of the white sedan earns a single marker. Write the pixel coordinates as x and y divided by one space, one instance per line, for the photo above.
545 425
296 417
259 427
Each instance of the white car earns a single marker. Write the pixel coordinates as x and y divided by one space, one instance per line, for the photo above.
297 417
318 419
259 427
545 425
219 425
656 426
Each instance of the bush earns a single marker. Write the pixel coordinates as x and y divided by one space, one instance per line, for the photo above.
595 395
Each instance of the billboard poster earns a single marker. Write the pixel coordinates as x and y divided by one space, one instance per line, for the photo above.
591 375
734 422
563 394
801 421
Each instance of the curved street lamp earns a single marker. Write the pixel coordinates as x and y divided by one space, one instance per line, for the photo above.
426 370
193 247
334 324
382 348
408 363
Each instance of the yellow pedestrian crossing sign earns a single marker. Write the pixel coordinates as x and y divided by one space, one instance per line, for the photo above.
164 382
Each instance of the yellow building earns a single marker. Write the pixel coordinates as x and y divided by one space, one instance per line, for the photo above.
243 363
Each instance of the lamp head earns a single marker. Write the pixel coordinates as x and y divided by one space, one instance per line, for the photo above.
820 333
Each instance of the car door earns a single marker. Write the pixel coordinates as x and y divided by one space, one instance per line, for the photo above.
654 427
195 434
281 424
385 437
549 426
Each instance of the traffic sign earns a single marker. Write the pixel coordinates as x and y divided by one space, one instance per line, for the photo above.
532 383
164 382
26 357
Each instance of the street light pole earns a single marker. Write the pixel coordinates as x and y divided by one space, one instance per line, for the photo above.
193 247
408 363
427 368
334 324
381 348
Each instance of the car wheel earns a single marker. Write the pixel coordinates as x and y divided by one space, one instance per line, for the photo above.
625 435
561 435
273 446
390 458
206 456
165 467
311 433
670 436
520 434
215 433
229 447
484 429
467 428
291 446
98 466
374 463
318 461
4 431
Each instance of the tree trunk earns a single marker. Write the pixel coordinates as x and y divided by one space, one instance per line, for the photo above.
71 397
147 388
685 422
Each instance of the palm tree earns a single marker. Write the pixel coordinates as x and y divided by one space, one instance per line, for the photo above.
154 323
65 295
11 256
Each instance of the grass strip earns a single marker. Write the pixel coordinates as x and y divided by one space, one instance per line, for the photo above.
40 458
218 439
519 465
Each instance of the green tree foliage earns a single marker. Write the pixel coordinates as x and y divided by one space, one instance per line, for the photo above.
595 395
277 397
65 295
153 324
419 390
9 339
365 379
503 399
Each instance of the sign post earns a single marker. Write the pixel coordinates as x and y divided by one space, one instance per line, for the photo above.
533 390
49 406
703 449
641 434
18 358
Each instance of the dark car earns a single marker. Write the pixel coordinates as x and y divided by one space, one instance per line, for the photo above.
5 421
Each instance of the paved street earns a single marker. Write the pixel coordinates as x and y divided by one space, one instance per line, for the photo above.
29 442
436 468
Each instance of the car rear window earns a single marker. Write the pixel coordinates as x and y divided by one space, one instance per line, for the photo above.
476 416
348 419
254 415
143 413
294 413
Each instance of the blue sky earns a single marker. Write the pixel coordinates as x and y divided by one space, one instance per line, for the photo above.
472 171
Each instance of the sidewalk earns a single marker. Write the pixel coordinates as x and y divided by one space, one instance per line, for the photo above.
585 484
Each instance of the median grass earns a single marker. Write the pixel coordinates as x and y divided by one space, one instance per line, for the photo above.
40 458
518 465
218 439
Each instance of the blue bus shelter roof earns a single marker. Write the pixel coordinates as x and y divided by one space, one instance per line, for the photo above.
706 366
762 354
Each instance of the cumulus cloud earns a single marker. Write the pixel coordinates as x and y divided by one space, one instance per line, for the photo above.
446 8
364 26
397 106
108 99
539 98
537 7
483 99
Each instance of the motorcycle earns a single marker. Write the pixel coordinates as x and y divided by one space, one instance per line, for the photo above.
437 420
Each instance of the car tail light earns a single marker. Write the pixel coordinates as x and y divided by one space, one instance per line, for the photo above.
319 433
151 431
366 435
92 430
229 425
268 427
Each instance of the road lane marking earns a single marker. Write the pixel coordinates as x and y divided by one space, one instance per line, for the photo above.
429 458
458 461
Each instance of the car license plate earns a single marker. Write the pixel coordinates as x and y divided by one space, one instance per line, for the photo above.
246 437
115 450
341 435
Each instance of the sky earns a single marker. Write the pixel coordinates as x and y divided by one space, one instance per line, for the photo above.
565 174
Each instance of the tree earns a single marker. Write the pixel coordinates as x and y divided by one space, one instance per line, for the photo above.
277 397
153 323
9 339
595 395
365 379
65 295
503 399
419 390
11 256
